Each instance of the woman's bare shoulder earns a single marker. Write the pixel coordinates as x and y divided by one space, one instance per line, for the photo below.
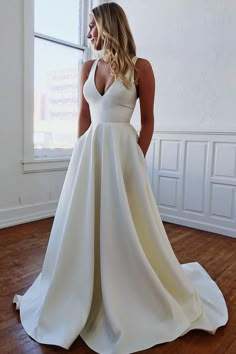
89 63
143 64
145 73
86 67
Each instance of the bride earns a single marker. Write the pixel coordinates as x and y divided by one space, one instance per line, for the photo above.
110 274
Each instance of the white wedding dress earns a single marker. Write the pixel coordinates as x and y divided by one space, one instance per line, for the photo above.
110 274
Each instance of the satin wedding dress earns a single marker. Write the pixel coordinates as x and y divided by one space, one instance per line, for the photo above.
109 273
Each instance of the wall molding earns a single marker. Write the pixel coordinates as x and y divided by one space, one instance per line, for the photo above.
193 178
24 214
45 165
226 231
195 132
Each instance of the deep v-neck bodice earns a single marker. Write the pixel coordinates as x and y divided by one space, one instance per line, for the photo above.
94 70
116 104
94 79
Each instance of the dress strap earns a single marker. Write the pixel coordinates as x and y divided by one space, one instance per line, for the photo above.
134 59
94 65
92 68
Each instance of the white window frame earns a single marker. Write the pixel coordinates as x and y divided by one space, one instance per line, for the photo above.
30 162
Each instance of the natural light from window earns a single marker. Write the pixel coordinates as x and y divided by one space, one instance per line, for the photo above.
57 61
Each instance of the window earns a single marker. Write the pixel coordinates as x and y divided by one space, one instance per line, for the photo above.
55 46
58 55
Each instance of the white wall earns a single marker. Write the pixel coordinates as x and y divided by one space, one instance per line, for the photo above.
191 162
18 191
192 47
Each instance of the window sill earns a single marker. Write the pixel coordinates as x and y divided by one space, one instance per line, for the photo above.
45 165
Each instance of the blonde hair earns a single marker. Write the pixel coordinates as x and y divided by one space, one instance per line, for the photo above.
116 40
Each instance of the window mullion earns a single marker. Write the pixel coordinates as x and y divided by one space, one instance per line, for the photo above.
58 41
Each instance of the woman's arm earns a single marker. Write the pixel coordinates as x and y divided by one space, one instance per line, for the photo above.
146 91
84 119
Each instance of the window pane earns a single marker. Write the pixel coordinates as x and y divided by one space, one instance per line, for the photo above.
57 18
56 88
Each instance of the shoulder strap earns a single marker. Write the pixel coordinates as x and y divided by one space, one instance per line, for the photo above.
134 59
92 67
130 73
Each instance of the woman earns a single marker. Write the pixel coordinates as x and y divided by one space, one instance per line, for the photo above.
124 47
109 273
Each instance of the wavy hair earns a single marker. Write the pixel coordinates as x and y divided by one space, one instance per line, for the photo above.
116 40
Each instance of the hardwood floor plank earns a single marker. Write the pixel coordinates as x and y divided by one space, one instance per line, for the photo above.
22 253
232 348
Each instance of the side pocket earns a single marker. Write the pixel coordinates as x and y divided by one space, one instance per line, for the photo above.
142 156
84 134
137 136
140 150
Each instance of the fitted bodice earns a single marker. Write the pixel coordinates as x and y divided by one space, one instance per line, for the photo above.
116 104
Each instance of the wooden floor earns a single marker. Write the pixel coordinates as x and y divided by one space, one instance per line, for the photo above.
22 252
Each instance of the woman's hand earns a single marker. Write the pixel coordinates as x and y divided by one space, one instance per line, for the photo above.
141 150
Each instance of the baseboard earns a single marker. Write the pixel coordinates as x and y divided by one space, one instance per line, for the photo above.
24 214
225 231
